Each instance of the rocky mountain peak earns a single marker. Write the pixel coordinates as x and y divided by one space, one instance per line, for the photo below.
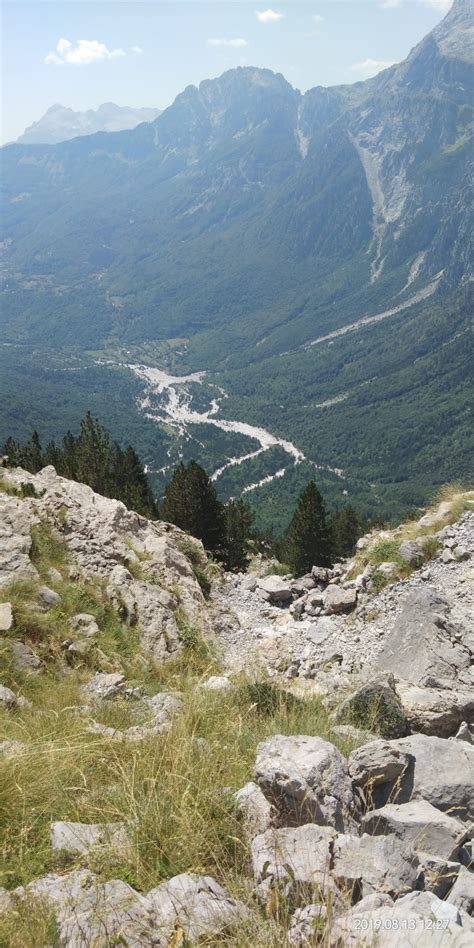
455 34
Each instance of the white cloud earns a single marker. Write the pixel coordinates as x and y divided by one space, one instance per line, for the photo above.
317 18
237 43
268 16
391 4
370 67
136 49
82 54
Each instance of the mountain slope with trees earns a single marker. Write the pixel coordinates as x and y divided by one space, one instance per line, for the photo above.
241 228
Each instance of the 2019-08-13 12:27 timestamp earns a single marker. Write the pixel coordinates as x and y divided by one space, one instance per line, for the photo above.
401 924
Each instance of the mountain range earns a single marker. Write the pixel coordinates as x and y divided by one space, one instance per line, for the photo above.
311 253
59 123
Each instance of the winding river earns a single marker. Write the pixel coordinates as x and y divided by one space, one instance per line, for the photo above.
168 400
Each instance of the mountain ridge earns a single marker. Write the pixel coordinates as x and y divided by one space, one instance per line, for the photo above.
60 123
249 220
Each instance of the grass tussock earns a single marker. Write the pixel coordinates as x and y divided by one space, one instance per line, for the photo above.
172 790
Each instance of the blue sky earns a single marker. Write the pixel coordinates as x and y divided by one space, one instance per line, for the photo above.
82 53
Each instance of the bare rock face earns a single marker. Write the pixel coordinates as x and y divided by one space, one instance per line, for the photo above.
140 560
307 781
15 541
422 645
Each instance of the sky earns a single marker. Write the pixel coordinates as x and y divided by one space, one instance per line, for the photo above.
81 53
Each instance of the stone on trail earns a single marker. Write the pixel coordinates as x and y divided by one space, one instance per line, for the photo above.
307 781
439 712
276 588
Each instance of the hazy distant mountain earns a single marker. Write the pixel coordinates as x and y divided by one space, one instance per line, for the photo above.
313 250
59 123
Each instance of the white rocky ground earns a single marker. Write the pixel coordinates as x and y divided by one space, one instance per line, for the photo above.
386 835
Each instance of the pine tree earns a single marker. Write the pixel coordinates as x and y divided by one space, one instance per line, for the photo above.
32 454
191 503
347 527
92 459
308 539
238 519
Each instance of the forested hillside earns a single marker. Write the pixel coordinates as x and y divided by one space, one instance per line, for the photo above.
310 253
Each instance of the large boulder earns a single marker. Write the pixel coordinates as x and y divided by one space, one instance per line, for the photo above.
196 904
435 711
367 864
420 826
440 771
307 781
337 600
294 860
375 706
422 646
375 767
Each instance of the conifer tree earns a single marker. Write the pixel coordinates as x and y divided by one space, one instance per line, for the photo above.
92 459
238 519
191 503
308 539
347 527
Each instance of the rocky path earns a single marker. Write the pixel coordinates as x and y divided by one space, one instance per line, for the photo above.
329 651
